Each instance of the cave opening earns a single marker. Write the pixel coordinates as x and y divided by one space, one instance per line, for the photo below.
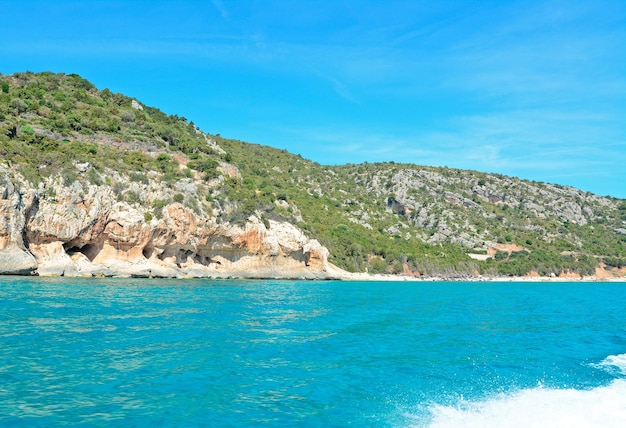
148 251
87 250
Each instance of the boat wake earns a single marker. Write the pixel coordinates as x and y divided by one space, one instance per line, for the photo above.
602 406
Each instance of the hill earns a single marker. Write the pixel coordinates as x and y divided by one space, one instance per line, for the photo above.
95 177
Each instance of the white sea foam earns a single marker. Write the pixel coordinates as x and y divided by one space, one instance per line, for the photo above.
598 407
603 406
613 363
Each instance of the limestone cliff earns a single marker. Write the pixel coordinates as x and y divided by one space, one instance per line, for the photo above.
85 231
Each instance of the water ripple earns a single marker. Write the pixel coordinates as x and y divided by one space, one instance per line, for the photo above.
233 353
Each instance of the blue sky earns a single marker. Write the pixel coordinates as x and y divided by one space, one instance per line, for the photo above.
533 89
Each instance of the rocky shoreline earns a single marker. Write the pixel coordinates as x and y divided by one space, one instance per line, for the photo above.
335 275
83 230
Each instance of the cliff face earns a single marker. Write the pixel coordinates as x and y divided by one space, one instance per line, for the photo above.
14 258
85 231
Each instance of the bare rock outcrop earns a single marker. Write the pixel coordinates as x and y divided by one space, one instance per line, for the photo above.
15 258
84 230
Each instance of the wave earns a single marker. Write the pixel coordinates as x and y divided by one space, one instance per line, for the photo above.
602 406
614 364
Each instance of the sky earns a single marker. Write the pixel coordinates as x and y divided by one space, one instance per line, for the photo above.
531 89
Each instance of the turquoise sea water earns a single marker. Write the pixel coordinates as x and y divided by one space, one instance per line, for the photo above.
118 352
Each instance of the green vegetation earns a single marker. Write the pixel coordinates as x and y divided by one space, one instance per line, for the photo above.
385 217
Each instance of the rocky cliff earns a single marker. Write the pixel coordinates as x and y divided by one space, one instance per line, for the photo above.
84 231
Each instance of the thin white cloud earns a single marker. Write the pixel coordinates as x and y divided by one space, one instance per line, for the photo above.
530 144
219 5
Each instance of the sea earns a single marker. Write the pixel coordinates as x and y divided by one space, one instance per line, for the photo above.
246 353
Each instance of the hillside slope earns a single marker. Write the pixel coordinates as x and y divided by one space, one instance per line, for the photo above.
98 183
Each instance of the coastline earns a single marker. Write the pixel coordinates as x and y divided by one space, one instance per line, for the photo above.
338 275
520 279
